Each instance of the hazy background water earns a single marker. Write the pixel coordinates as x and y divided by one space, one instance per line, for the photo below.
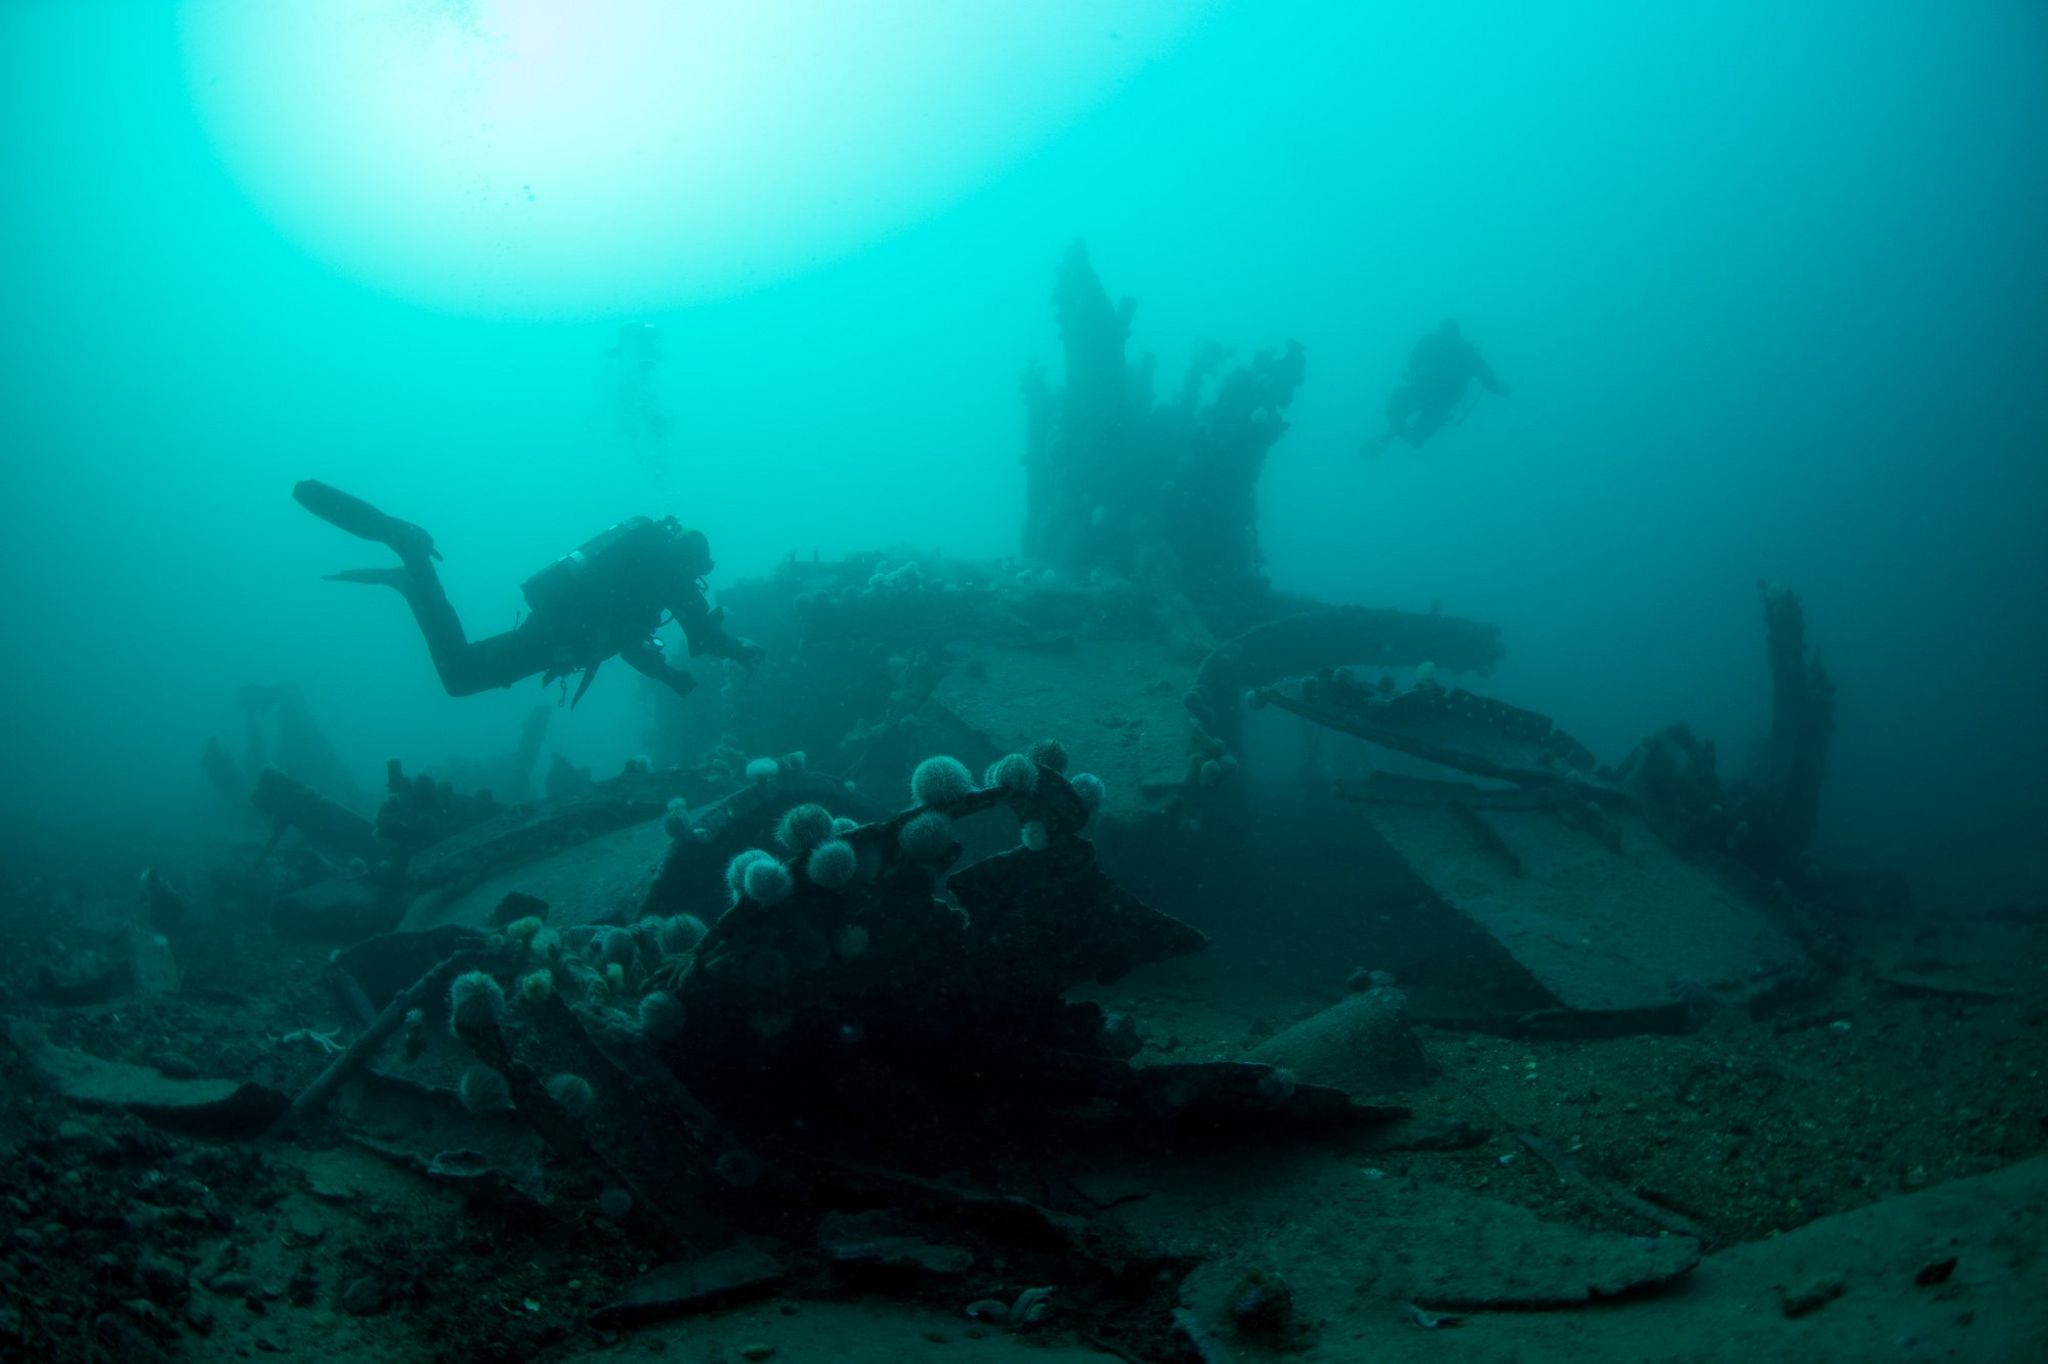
1768 282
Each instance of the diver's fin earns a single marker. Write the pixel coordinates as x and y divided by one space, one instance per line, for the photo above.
350 513
341 509
589 676
386 577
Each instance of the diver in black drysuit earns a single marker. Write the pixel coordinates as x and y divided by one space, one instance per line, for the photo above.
1439 368
604 600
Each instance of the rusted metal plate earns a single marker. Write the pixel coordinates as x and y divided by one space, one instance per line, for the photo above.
1446 725
1603 914
603 878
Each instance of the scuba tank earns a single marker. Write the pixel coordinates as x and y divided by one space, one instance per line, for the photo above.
604 594
596 571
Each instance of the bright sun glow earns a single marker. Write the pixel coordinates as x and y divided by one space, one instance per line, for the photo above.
555 157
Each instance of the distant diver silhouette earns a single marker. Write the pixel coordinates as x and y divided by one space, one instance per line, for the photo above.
1439 369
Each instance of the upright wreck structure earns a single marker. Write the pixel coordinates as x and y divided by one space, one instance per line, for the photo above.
1159 493
1130 623
1802 722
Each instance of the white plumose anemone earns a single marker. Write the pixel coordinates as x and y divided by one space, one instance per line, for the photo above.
832 864
940 781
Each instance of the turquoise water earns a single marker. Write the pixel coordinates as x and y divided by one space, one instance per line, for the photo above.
1766 281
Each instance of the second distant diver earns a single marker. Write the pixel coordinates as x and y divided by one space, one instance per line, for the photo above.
604 600
1439 368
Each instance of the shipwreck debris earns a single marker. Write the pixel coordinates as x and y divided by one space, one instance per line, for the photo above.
698 1284
1310 637
1445 725
1159 492
212 1108
1802 721
317 1095
334 829
1550 857
1361 1045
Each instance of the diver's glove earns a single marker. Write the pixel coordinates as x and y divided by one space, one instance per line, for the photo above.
749 655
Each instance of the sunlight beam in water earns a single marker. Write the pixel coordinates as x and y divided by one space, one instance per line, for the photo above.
539 157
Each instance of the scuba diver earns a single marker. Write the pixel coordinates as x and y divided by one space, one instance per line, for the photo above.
605 599
1439 368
